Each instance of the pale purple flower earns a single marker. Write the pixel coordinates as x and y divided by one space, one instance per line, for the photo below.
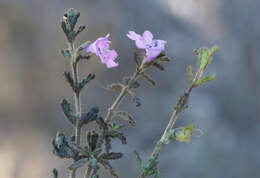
152 47
101 48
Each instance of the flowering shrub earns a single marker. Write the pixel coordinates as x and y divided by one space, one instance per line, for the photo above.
97 151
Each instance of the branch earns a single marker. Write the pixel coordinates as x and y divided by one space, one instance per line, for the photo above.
121 95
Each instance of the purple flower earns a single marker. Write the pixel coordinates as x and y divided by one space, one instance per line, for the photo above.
152 47
101 48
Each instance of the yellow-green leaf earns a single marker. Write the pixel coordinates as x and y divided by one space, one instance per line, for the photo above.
206 79
184 134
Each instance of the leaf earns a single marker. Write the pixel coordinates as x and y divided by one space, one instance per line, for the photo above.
86 80
150 167
135 99
182 103
55 173
205 56
78 164
139 160
126 117
81 52
65 105
206 80
66 53
90 116
117 128
97 151
164 59
191 73
111 156
184 134
137 64
80 29
71 16
157 174
107 166
148 78
69 79
115 87
158 66
68 23
83 46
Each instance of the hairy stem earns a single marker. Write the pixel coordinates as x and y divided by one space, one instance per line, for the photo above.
77 128
159 145
121 95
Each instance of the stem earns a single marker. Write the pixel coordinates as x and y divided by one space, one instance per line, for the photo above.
73 173
77 128
89 169
119 98
159 145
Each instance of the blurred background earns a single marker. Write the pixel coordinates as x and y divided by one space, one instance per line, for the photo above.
227 110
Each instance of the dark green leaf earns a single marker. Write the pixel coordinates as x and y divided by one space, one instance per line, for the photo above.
126 117
111 156
66 53
148 78
182 103
65 105
86 80
139 160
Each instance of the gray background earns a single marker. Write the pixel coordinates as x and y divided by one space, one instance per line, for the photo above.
31 84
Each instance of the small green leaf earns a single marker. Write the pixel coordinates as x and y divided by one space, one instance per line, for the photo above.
126 117
117 128
184 134
191 73
139 160
96 152
205 56
206 80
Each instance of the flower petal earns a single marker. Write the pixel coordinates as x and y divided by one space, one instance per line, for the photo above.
111 56
148 37
101 48
151 54
139 40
